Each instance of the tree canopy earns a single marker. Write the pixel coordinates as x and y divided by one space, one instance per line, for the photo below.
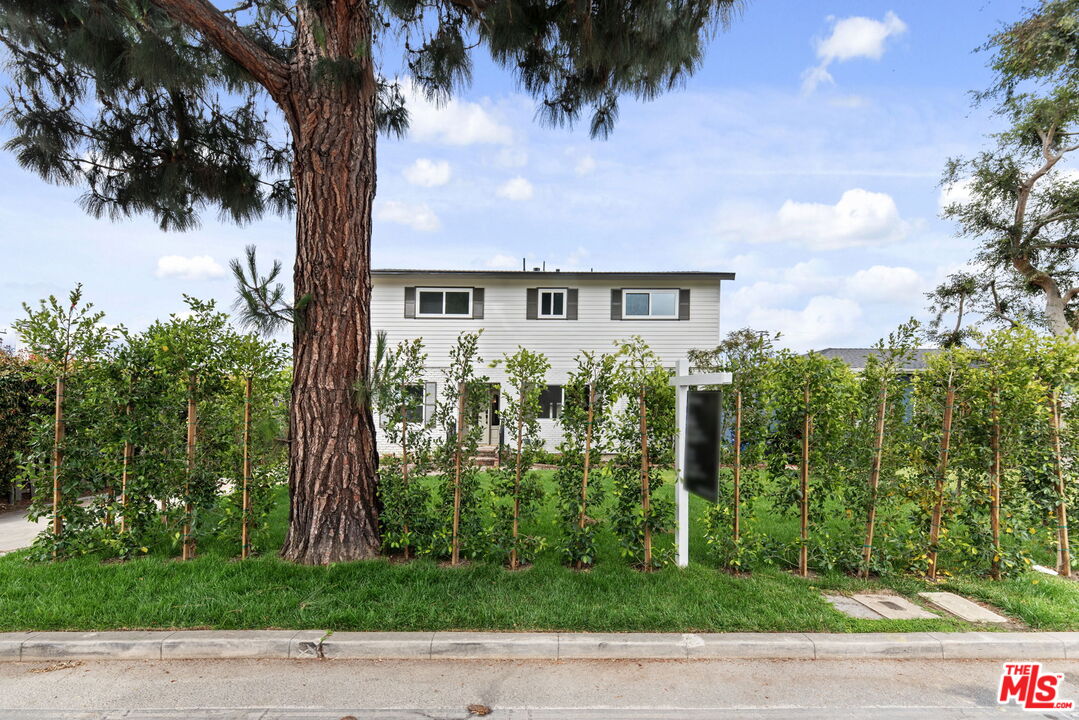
157 106
1020 203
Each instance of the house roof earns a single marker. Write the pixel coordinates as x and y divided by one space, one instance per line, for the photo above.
556 273
856 357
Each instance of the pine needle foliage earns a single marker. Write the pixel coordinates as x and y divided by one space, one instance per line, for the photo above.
149 115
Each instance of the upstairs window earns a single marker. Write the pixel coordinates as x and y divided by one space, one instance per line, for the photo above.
650 304
551 402
552 303
444 302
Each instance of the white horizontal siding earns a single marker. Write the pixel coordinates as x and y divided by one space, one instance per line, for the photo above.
505 327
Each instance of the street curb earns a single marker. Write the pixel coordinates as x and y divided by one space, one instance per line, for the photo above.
321 644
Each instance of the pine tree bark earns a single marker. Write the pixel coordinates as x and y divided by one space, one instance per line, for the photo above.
332 454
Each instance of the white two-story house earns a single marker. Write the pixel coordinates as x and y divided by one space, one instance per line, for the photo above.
555 313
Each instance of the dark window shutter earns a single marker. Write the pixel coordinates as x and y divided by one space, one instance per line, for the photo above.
410 302
477 303
571 304
616 304
430 397
531 303
683 304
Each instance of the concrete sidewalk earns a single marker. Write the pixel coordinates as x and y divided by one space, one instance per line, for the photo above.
320 644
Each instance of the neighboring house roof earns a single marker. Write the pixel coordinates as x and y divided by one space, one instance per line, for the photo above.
856 357
556 273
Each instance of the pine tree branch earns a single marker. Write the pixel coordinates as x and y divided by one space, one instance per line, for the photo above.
226 36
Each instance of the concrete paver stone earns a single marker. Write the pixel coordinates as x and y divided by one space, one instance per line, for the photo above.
962 608
852 608
893 607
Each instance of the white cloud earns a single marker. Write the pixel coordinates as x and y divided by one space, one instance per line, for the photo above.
957 193
577 257
852 37
198 267
501 261
418 217
428 173
516 189
585 165
511 157
885 285
456 122
825 320
859 219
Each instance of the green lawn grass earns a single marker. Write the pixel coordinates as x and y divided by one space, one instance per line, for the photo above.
217 591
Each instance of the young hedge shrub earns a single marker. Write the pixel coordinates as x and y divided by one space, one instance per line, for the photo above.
516 490
581 477
405 520
644 444
459 502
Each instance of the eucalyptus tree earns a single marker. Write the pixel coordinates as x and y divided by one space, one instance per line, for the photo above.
160 107
1021 199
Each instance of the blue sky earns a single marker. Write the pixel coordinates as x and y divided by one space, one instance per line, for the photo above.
805 156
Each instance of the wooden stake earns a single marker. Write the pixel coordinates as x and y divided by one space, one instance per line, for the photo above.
994 488
581 516
57 460
807 426
517 481
404 455
646 481
874 479
737 466
188 549
942 471
245 529
129 454
455 556
1065 563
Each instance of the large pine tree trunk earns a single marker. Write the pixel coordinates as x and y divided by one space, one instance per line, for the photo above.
333 461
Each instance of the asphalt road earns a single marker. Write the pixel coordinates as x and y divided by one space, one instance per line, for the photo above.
536 690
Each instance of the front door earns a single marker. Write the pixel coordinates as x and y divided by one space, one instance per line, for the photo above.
493 416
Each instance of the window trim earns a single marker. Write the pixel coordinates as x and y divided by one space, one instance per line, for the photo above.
674 291
564 292
444 290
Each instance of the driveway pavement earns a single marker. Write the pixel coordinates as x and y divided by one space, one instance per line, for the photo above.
17 532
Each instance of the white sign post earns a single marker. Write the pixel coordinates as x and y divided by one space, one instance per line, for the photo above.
682 382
